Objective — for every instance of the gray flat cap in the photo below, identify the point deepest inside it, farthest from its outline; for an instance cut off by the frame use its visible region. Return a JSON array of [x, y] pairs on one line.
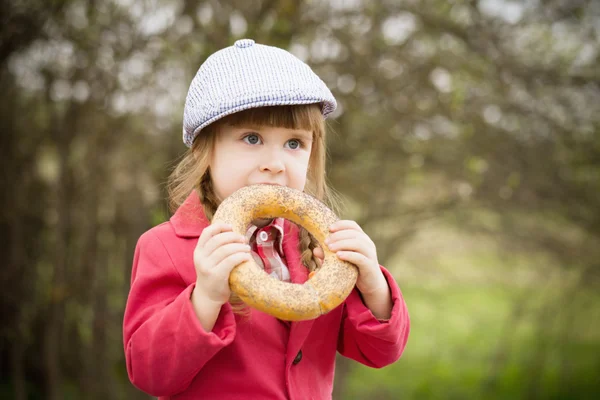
[[249, 75]]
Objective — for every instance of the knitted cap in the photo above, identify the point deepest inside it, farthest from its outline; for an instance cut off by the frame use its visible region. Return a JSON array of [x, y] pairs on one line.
[[248, 75]]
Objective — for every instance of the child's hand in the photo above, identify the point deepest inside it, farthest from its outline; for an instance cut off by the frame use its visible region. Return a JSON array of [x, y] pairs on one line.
[[218, 251], [352, 244]]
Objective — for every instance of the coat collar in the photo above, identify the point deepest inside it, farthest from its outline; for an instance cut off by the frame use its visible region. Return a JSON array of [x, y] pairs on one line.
[[189, 220]]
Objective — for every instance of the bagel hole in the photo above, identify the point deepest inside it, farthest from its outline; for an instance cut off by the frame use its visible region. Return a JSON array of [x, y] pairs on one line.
[[253, 240]]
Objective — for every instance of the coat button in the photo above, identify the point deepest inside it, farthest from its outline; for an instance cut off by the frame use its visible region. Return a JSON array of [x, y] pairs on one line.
[[263, 236], [298, 358]]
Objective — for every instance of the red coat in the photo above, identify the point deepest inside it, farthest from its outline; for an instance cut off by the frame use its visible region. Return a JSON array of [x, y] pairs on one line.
[[170, 355]]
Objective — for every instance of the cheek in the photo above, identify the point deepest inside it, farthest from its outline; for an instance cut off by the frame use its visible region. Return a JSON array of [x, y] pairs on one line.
[[227, 169], [228, 159], [222, 167], [300, 171], [301, 160]]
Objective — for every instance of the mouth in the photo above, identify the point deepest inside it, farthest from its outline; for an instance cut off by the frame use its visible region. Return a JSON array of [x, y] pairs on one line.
[[269, 183]]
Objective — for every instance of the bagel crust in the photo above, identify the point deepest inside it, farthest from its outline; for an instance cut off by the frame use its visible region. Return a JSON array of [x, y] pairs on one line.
[[324, 291]]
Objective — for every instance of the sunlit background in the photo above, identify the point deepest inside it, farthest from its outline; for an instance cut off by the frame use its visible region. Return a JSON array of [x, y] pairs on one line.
[[466, 143]]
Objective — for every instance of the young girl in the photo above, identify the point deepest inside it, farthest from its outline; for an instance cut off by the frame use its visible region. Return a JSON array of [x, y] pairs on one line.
[[254, 114]]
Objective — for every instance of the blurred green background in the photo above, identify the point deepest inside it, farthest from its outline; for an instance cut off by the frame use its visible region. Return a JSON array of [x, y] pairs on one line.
[[466, 143]]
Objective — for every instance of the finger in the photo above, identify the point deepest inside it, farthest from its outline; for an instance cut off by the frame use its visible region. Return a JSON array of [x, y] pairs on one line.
[[358, 259], [353, 244], [222, 239], [344, 224], [232, 261], [319, 256], [211, 231], [319, 253], [228, 249], [343, 234]]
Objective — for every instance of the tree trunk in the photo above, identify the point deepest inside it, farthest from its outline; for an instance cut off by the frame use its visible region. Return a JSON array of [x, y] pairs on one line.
[[63, 129], [17, 370], [52, 338]]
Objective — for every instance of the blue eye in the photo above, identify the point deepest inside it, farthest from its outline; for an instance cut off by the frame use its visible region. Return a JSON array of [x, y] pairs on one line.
[[252, 139], [294, 144]]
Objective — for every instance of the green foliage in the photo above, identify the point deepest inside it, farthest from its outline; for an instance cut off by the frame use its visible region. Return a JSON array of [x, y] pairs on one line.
[[469, 341]]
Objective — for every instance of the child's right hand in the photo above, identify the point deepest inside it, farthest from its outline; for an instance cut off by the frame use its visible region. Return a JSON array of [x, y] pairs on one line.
[[217, 252]]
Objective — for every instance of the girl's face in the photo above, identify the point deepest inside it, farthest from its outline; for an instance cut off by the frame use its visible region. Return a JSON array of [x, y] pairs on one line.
[[249, 155]]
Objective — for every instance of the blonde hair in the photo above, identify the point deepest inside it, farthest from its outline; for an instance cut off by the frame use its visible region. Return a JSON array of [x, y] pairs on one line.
[[193, 171]]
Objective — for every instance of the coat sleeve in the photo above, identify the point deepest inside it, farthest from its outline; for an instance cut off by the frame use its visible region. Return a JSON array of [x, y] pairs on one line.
[[165, 344], [372, 342]]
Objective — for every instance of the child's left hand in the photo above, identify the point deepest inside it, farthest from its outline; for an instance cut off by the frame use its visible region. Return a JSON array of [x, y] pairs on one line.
[[352, 244]]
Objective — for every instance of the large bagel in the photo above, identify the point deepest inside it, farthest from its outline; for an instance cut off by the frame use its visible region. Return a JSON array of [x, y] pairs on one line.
[[324, 291]]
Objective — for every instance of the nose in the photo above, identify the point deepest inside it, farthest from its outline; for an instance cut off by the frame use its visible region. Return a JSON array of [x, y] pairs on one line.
[[272, 162]]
